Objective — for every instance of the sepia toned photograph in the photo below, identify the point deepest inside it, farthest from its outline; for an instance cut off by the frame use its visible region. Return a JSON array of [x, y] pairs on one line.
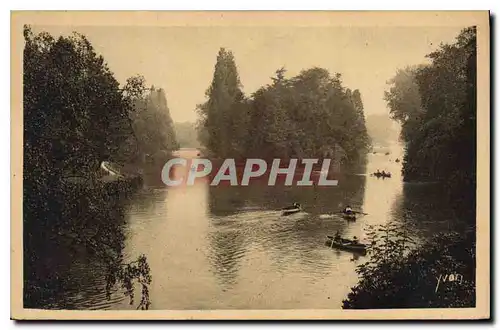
[[250, 165]]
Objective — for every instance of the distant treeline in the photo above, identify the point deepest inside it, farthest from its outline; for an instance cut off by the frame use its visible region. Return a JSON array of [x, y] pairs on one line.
[[153, 126], [187, 135], [436, 106], [311, 115], [380, 129]]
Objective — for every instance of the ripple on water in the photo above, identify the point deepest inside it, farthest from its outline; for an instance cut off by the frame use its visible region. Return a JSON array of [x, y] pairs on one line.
[[84, 288]]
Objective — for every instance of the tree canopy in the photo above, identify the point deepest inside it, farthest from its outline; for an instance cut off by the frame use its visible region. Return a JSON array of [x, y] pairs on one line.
[[75, 113], [153, 126], [436, 105], [310, 115], [224, 97]]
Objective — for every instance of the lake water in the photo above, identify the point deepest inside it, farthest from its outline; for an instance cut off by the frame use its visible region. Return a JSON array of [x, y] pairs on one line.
[[229, 248]]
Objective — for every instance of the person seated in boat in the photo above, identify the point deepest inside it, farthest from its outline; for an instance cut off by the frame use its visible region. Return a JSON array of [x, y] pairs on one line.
[[337, 236], [348, 210], [355, 240], [294, 206]]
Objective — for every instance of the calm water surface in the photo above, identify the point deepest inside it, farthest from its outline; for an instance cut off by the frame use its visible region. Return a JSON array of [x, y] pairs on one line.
[[229, 248]]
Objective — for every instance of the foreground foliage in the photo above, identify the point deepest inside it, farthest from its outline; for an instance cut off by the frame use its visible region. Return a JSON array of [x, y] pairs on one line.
[[400, 274], [75, 116]]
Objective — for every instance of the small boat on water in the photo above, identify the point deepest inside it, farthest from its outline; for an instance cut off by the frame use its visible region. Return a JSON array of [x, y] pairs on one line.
[[382, 174], [290, 211], [346, 244], [295, 208], [348, 213]]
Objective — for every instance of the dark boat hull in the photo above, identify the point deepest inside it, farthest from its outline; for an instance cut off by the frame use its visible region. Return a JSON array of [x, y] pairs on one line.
[[382, 175], [290, 211], [350, 217]]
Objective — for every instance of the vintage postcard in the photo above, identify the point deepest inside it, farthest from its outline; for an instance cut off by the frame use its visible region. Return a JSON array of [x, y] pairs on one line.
[[250, 165]]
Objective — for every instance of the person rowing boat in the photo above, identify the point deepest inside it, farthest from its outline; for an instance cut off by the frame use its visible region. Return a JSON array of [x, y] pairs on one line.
[[348, 210], [294, 206], [346, 244], [348, 213]]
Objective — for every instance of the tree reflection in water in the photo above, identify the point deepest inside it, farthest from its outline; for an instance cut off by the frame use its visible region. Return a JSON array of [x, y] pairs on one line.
[[85, 226]]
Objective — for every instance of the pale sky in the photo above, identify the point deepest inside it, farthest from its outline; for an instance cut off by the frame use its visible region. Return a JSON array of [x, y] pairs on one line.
[[181, 59]]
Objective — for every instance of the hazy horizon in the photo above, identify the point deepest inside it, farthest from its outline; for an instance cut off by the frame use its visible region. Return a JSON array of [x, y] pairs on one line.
[[181, 60]]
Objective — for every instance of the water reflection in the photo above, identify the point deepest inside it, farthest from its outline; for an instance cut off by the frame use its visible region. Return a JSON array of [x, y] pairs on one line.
[[71, 253], [223, 247], [421, 209]]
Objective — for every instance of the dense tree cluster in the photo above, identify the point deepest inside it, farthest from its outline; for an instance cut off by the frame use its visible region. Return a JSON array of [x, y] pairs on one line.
[[436, 105], [76, 115], [153, 126], [310, 115]]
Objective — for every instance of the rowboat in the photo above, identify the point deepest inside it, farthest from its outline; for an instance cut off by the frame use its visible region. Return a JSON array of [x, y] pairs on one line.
[[382, 175], [346, 244], [295, 208], [290, 211]]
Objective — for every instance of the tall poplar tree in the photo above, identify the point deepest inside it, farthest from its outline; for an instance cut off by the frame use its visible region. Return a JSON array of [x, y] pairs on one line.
[[224, 97]]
